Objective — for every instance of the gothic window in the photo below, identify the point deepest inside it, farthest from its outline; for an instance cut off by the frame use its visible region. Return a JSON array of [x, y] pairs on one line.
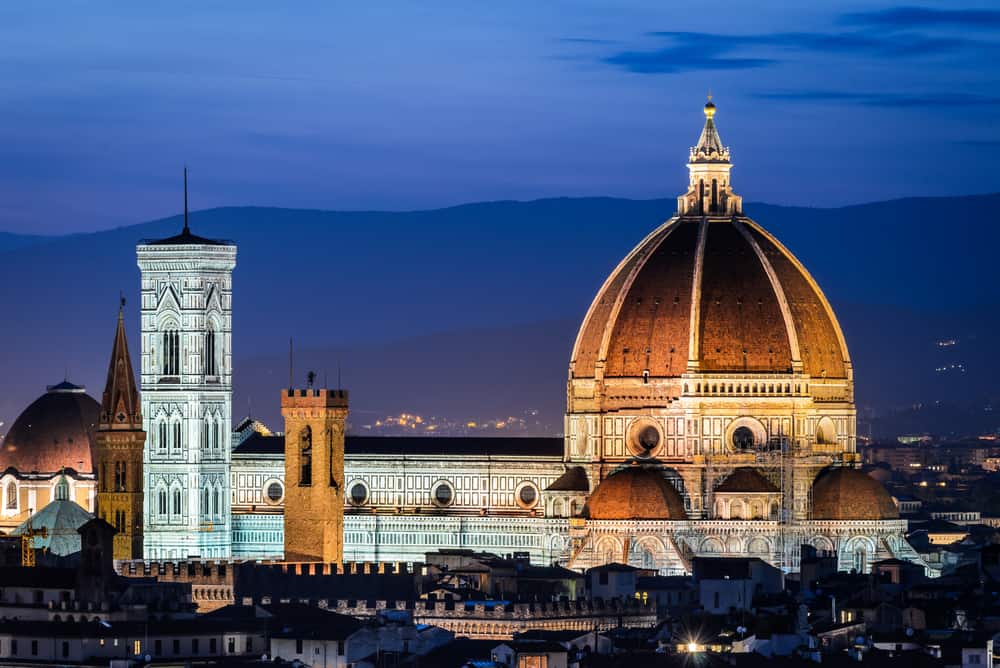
[[205, 510], [11, 495], [162, 502], [217, 504], [62, 490], [177, 501], [171, 352], [161, 436], [175, 443], [211, 362], [305, 457], [222, 436], [329, 454], [860, 559]]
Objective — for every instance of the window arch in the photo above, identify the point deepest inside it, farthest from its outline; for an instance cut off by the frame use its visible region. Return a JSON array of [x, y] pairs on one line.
[[211, 352], [217, 501], [206, 511], [161, 499], [170, 353], [11, 503], [176, 509], [305, 456], [161, 434]]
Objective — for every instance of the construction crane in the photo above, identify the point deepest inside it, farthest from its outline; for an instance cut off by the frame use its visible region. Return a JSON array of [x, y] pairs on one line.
[[28, 544]]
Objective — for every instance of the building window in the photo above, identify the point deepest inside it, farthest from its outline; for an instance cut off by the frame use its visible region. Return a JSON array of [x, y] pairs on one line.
[[211, 365], [298, 645], [175, 444], [443, 495], [232, 645], [527, 496], [162, 501], [65, 649], [217, 502], [11, 495], [194, 646], [249, 644], [171, 353], [359, 494], [157, 647], [274, 491], [177, 501], [743, 438], [213, 646], [305, 457], [161, 442], [329, 453], [34, 648]]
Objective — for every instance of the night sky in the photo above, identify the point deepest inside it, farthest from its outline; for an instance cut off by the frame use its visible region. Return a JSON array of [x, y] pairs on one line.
[[417, 105]]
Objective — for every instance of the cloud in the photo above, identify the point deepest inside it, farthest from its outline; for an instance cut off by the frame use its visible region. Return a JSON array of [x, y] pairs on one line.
[[691, 51], [889, 100], [923, 17]]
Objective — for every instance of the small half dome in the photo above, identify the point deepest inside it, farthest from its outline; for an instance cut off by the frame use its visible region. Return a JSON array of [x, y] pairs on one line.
[[635, 493], [849, 494], [746, 480]]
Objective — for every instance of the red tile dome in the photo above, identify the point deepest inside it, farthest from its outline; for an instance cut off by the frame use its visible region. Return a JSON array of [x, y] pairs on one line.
[[850, 494], [55, 432], [635, 493]]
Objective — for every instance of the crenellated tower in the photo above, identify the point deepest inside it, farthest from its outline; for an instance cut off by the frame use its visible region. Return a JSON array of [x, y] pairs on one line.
[[314, 474], [118, 451]]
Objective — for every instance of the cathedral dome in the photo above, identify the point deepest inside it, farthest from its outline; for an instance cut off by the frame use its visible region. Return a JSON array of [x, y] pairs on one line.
[[850, 494], [635, 493], [56, 431], [709, 291], [745, 480]]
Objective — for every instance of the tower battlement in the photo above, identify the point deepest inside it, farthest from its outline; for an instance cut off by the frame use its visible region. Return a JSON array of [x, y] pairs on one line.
[[313, 398]]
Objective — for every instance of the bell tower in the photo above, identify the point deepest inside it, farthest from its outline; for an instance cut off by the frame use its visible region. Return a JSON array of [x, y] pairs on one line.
[[118, 452], [314, 474]]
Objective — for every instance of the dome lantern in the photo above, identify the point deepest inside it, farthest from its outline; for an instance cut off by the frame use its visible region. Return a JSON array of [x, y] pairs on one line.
[[709, 191]]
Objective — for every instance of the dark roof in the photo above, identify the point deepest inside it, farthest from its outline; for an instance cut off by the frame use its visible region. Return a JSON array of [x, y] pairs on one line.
[[39, 577], [258, 444], [573, 480], [613, 567], [560, 636], [185, 238], [714, 568], [295, 620], [457, 653], [532, 646], [745, 479]]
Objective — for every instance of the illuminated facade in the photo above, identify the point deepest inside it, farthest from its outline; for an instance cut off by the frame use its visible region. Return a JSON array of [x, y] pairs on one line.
[[186, 373]]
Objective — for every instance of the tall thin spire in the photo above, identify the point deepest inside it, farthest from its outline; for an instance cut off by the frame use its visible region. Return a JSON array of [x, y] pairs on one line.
[[187, 230], [120, 405]]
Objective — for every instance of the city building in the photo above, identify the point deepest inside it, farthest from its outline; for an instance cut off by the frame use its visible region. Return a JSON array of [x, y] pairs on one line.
[[710, 412]]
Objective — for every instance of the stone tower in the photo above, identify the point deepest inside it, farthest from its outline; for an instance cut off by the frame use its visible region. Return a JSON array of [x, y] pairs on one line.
[[187, 308], [314, 474], [118, 451]]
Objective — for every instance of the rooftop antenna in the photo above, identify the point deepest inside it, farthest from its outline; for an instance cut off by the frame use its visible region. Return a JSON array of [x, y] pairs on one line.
[[186, 229]]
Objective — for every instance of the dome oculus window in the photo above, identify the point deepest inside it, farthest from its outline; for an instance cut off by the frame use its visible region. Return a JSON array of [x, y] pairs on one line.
[[443, 495], [273, 491], [358, 493], [527, 496], [743, 438], [644, 438]]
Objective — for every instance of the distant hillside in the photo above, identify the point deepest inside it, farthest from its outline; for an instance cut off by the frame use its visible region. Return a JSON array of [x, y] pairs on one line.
[[473, 308]]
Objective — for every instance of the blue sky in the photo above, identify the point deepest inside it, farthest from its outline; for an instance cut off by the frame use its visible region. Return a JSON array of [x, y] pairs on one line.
[[417, 105]]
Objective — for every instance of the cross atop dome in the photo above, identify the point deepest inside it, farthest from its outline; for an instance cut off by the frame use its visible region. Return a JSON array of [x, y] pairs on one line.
[[709, 191]]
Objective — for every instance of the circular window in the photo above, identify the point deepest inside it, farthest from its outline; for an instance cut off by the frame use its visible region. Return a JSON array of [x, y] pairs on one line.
[[443, 495], [644, 438], [527, 495], [743, 438], [274, 491], [358, 493]]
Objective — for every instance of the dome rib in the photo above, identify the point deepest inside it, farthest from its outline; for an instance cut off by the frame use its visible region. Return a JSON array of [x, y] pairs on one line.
[[779, 293]]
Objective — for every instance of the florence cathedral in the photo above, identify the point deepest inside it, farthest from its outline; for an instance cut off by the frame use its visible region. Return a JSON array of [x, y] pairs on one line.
[[710, 411]]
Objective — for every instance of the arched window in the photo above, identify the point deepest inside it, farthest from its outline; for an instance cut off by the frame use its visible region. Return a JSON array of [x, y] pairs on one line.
[[329, 454], [223, 435], [177, 501], [171, 352], [860, 559], [175, 443], [205, 510], [217, 505], [161, 441], [305, 457], [211, 360], [11, 495], [162, 502]]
